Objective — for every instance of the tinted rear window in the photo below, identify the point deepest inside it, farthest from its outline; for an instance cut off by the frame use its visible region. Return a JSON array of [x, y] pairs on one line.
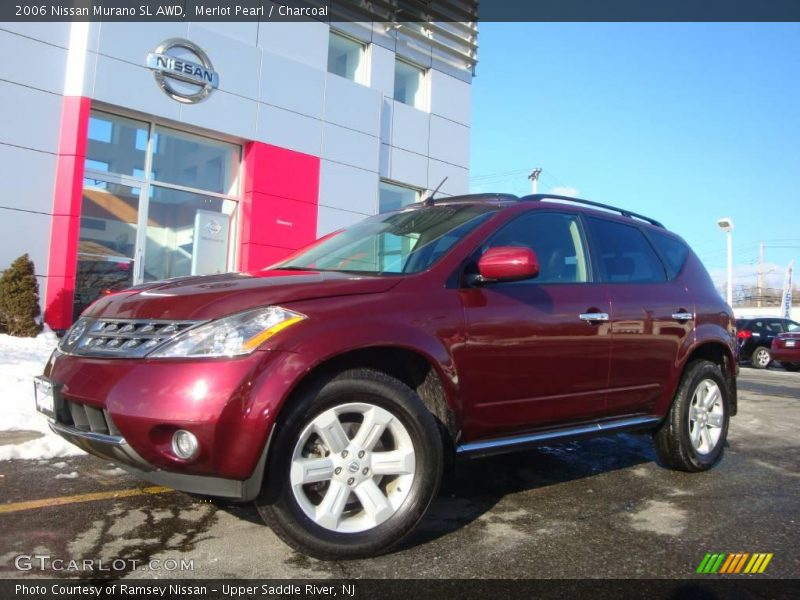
[[672, 250], [624, 254]]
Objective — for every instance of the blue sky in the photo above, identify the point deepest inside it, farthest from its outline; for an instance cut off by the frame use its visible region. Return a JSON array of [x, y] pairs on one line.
[[686, 123]]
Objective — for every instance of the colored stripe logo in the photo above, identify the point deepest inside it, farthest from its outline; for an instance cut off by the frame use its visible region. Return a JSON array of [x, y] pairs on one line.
[[734, 563]]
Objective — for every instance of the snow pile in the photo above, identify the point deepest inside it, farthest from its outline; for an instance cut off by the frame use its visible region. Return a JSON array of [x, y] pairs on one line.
[[21, 359]]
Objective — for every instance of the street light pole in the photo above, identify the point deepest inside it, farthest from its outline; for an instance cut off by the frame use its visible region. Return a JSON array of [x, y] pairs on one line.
[[726, 225]]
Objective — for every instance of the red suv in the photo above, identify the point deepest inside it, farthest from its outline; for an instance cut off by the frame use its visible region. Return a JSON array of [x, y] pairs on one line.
[[334, 387]]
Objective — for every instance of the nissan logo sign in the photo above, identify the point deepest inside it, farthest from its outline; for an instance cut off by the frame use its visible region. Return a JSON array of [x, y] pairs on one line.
[[185, 79]]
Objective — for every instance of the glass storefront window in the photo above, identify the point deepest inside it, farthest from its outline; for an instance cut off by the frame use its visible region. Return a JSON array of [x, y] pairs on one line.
[[116, 144], [187, 234], [192, 161], [394, 197], [107, 243], [346, 57], [157, 203], [409, 84]]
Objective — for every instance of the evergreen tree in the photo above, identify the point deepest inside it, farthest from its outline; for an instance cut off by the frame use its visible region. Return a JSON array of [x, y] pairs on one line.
[[19, 299]]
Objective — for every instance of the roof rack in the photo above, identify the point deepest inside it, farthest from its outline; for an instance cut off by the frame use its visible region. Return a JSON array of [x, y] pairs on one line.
[[622, 211], [484, 197]]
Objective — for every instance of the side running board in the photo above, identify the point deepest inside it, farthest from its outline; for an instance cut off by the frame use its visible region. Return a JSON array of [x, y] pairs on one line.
[[511, 444]]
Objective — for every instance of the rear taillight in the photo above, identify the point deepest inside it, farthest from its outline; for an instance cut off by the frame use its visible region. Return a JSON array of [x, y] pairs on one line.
[[744, 334]]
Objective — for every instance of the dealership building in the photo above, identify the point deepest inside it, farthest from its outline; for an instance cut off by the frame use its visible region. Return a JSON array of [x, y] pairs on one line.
[[132, 152]]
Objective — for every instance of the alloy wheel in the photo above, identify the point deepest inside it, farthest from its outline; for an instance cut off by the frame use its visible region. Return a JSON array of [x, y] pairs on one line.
[[762, 358], [352, 467], [706, 416]]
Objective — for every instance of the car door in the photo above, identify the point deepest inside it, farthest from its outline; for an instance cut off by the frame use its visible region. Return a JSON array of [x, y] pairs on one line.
[[651, 315], [529, 361]]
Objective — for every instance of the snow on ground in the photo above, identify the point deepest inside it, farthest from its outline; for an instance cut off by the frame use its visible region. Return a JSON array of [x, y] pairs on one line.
[[20, 360]]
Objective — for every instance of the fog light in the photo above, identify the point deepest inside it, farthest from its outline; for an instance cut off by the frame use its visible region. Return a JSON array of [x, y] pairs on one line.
[[184, 444]]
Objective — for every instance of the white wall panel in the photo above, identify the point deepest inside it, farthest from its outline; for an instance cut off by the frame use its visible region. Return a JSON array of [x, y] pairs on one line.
[[410, 128], [449, 141], [331, 219], [132, 41], [289, 130], [352, 105], [410, 168], [451, 98], [292, 85], [30, 118], [387, 114], [225, 112], [27, 179], [350, 147], [237, 63], [348, 188], [243, 31], [43, 66], [22, 232], [305, 42], [52, 33], [130, 86], [381, 70], [457, 177]]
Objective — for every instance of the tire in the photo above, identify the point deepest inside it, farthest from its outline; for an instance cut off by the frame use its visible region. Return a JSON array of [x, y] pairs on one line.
[[680, 442], [337, 507], [791, 366], [761, 358]]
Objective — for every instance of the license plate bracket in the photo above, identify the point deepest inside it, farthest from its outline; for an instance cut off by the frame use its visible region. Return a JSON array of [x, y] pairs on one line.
[[45, 392]]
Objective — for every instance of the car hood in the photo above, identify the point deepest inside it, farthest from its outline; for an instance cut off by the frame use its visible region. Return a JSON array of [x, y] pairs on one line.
[[213, 296]]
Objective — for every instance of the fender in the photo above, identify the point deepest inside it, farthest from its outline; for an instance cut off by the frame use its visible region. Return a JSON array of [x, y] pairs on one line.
[[703, 334], [327, 344], [428, 324]]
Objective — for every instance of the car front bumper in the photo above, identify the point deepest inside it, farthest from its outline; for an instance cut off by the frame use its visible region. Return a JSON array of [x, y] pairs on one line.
[[117, 450], [127, 410]]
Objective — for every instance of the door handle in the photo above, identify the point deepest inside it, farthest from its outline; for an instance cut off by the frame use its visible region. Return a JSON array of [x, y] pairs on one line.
[[682, 316], [593, 316]]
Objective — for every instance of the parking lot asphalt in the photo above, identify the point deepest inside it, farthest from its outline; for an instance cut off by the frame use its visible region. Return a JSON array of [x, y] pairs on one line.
[[596, 508]]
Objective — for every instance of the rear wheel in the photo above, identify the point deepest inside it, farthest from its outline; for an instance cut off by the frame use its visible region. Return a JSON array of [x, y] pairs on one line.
[[354, 466], [761, 358], [692, 437]]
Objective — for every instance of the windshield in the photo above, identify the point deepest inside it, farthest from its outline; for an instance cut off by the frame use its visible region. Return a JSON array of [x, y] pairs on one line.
[[400, 242]]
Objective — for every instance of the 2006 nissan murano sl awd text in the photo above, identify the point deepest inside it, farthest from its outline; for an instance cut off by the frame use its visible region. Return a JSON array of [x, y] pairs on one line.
[[333, 388]]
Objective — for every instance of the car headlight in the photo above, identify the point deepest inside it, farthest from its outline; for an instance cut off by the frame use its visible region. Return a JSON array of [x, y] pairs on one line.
[[231, 336]]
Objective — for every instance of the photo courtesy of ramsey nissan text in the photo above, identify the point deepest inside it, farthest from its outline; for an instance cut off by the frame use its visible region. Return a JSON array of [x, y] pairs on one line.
[[340, 298]]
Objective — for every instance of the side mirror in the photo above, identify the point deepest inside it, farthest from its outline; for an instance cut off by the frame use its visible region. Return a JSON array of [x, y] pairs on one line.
[[508, 263]]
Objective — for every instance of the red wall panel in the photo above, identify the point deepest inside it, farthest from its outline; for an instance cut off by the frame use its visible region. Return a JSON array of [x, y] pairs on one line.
[[65, 227], [279, 205]]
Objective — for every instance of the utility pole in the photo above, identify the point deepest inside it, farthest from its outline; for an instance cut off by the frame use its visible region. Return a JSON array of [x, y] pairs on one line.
[[759, 302], [534, 177]]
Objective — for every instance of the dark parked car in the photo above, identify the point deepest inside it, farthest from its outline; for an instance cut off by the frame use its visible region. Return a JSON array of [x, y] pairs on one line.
[[786, 349], [333, 388], [755, 336]]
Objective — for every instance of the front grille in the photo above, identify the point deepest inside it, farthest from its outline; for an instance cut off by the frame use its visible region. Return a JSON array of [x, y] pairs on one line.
[[126, 338], [87, 418]]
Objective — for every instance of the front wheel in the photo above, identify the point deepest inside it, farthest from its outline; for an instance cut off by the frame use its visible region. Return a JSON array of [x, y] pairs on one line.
[[354, 466], [761, 358], [692, 437]]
